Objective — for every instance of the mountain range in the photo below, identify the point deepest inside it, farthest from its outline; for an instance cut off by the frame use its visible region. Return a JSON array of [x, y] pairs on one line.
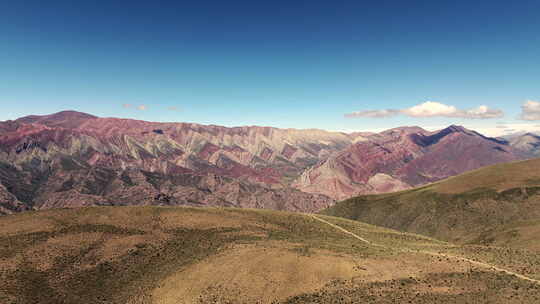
[[469, 238], [403, 158], [70, 159]]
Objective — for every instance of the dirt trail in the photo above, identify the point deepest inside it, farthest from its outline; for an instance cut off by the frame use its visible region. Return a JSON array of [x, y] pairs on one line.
[[477, 263]]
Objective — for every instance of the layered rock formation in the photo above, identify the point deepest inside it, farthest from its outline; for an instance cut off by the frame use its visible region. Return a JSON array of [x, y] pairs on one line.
[[72, 159], [401, 158]]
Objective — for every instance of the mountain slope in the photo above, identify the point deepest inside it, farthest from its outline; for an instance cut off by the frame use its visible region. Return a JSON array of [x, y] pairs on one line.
[[527, 142], [401, 158], [167, 255], [497, 205], [252, 152], [74, 159], [70, 159]]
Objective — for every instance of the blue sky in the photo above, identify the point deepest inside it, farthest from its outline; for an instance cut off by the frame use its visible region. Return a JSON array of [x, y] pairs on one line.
[[301, 65]]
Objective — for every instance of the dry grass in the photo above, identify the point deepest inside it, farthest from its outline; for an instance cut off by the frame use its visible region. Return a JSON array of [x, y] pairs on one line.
[[27, 222], [259, 274], [519, 260], [497, 177], [145, 255], [252, 273], [43, 255], [479, 207], [446, 288]]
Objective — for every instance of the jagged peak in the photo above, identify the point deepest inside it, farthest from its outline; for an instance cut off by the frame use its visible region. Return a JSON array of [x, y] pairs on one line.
[[436, 136]]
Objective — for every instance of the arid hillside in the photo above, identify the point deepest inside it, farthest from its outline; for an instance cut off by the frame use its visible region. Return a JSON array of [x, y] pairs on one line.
[[200, 255], [495, 205]]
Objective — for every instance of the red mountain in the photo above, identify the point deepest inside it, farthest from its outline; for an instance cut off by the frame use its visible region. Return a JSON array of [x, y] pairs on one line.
[[75, 159], [401, 158], [72, 158]]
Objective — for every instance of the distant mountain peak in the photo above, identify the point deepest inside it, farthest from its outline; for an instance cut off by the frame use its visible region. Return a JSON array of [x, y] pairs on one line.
[[61, 114], [456, 128], [529, 134], [434, 137], [65, 119], [73, 112]]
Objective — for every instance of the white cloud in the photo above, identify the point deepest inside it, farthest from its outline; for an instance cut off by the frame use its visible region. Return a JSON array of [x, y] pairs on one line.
[[131, 106], [481, 127], [530, 110], [373, 113], [481, 112], [173, 108], [432, 109], [509, 128]]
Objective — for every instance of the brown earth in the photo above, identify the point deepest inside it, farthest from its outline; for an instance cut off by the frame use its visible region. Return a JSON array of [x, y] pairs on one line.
[[201, 255]]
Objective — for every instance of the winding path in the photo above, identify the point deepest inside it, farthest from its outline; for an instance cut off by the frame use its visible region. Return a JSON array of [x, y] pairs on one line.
[[477, 263]]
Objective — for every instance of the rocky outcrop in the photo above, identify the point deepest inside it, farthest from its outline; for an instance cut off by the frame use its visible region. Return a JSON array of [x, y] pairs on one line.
[[9, 203]]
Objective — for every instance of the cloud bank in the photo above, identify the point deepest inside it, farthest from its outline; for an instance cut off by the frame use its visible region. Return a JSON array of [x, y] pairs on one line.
[[530, 110], [432, 109]]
